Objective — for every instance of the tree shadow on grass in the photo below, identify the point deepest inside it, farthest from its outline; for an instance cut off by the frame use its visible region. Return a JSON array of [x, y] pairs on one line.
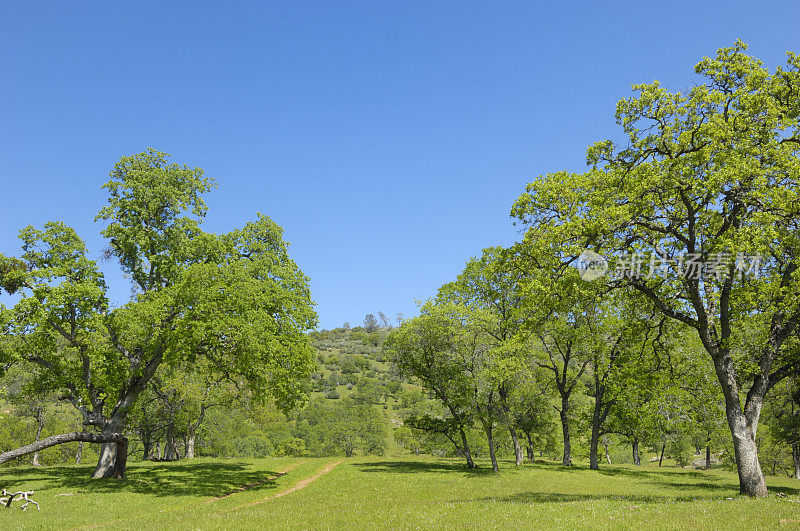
[[412, 467], [556, 497], [657, 472], [165, 479], [677, 479], [789, 491]]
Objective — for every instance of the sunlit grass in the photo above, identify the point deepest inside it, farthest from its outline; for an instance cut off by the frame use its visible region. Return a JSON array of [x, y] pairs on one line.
[[394, 493]]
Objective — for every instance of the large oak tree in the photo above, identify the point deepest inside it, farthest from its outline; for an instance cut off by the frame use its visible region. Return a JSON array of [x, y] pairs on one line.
[[706, 176], [237, 300]]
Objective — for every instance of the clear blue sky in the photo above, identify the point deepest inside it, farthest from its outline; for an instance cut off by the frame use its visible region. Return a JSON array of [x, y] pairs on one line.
[[388, 138]]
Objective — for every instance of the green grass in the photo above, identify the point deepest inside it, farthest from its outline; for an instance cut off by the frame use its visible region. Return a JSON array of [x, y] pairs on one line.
[[406, 492]]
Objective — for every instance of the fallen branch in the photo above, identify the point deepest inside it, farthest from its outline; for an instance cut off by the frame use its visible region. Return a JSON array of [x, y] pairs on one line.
[[8, 497], [118, 438]]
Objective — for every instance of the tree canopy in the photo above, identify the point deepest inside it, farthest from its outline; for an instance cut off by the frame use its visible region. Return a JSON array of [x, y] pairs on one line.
[[235, 300]]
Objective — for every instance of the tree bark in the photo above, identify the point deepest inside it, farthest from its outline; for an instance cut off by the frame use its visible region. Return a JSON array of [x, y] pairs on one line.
[[595, 439], [751, 478], [637, 459], [503, 393], [708, 456], [116, 439], [796, 456], [109, 457], [105, 461], [605, 446], [170, 446], [490, 440], [661, 459], [192, 431], [79, 453], [567, 459], [593, 464], [147, 449], [529, 448], [39, 427], [519, 460], [189, 445], [467, 453], [743, 426]]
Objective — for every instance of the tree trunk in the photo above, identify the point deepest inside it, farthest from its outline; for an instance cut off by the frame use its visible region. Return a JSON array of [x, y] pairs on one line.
[[743, 425], [114, 439], [492, 456], [593, 464], [637, 459], [503, 393], [79, 453], [567, 460], [595, 439], [170, 446], [467, 453], [708, 456], [605, 446], [106, 461], [147, 449], [189, 445], [517, 447], [39, 427], [661, 459], [751, 477], [796, 456], [529, 448]]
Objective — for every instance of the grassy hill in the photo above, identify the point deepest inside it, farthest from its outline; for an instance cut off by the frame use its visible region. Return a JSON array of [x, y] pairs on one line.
[[352, 365]]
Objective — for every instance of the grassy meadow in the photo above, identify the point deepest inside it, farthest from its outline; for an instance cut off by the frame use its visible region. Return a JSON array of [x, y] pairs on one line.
[[407, 492]]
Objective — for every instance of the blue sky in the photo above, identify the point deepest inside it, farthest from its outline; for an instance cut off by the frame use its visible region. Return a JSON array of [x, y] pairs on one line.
[[389, 139]]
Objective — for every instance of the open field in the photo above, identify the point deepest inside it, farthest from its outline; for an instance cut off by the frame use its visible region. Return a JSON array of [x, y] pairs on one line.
[[393, 492]]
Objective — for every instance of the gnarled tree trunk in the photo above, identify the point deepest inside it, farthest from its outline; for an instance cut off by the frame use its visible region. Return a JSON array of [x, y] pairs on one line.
[[106, 461], [751, 477], [743, 425], [115, 439]]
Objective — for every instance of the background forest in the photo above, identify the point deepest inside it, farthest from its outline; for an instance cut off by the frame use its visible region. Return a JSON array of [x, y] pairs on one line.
[[359, 400]]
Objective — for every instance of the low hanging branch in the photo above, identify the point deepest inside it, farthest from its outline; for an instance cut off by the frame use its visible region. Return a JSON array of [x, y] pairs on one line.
[[118, 438]]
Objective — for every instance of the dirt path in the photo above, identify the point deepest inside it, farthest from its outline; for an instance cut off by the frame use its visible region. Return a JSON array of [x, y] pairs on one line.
[[258, 483], [303, 483], [243, 488]]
